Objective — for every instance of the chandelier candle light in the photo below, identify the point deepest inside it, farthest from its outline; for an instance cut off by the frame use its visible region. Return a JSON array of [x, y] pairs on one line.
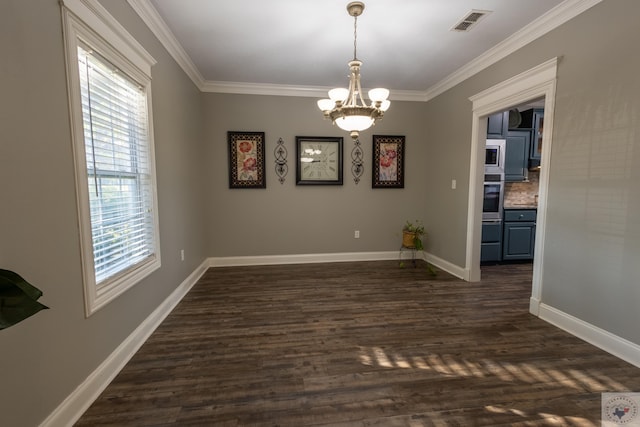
[[346, 107]]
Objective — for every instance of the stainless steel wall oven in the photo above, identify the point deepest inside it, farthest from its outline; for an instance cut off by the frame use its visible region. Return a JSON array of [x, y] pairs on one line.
[[493, 180], [493, 197]]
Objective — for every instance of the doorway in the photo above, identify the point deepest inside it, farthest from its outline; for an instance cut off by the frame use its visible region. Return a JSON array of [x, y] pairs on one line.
[[538, 82]]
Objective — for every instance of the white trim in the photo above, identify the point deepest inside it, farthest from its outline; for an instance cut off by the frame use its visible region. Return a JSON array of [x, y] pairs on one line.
[[515, 89], [534, 306], [72, 408], [333, 257], [96, 17], [292, 90], [159, 28], [301, 258], [539, 81], [613, 344], [555, 17], [89, 22], [445, 265], [264, 89]]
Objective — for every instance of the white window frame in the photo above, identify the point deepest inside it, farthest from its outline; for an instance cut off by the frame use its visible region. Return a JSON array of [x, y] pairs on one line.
[[87, 22]]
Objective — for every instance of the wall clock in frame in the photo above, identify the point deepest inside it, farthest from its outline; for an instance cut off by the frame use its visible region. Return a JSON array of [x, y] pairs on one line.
[[319, 160]]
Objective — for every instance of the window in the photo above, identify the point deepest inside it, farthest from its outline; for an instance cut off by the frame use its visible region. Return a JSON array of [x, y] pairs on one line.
[[113, 147]]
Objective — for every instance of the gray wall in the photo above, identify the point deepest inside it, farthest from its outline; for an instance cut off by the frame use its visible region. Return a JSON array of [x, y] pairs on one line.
[[44, 358], [593, 226], [593, 233], [288, 219], [594, 202]]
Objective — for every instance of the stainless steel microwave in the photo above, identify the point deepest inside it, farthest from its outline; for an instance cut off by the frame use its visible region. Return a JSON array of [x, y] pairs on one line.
[[494, 156]]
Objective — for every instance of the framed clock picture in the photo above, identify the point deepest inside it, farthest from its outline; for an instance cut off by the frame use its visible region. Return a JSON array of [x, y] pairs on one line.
[[319, 160]]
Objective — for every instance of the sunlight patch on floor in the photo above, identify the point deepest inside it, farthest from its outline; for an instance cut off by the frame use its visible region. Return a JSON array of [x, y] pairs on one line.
[[452, 365], [550, 419]]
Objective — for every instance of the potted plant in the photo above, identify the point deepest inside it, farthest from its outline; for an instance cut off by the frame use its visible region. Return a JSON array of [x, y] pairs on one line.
[[18, 299], [412, 233]]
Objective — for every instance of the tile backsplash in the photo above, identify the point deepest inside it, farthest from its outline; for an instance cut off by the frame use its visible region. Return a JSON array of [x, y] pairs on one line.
[[522, 193]]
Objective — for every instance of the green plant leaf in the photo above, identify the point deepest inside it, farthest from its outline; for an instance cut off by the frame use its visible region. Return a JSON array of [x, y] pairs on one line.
[[10, 277], [18, 299]]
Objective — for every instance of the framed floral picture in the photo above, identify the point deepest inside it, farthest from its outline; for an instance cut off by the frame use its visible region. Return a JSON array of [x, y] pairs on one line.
[[246, 160], [388, 161]]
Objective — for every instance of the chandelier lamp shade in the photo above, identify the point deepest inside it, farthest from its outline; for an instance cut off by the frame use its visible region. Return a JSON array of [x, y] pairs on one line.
[[346, 108]]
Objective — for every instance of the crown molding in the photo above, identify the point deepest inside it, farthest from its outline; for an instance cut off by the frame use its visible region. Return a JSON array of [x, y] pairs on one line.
[[292, 90], [557, 16], [159, 28], [263, 89]]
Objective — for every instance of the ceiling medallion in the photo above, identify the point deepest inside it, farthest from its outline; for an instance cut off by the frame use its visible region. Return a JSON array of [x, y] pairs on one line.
[[346, 107]]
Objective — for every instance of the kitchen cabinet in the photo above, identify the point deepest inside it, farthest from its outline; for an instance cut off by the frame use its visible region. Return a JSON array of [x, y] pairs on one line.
[[518, 241], [516, 162], [532, 120], [491, 246], [497, 125], [536, 138]]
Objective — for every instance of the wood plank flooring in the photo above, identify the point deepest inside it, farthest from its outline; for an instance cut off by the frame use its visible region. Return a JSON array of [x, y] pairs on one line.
[[360, 344]]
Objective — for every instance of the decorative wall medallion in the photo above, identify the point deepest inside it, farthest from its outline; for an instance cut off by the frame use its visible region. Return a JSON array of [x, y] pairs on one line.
[[280, 153], [357, 163]]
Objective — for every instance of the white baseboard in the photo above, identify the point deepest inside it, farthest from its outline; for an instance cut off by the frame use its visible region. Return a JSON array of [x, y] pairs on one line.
[[72, 408], [613, 344], [333, 257], [534, 306], [450, 268], [301, 258]]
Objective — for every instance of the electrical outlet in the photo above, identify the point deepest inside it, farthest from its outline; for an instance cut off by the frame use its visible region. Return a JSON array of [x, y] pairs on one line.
[[356, 234], [454, 184], [181, 254]]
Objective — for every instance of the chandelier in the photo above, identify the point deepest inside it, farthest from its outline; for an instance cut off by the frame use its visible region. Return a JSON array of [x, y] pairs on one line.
[[346, 107]]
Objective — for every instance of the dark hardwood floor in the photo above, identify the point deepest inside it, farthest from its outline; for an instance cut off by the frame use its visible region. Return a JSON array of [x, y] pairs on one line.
[[360, 344]]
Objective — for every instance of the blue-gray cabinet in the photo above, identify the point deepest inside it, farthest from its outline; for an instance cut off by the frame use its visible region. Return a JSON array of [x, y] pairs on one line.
[[497, 125], [516, 161], [532, 120], [491, 247], [518, 241], [536, 140]]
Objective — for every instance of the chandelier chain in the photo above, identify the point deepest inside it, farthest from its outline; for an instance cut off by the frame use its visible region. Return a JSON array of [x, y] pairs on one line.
[[355, 37]]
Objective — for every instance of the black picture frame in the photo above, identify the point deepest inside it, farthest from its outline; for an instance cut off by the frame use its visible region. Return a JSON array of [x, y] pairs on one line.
[[246, 159], [388, 161], [322, 167]]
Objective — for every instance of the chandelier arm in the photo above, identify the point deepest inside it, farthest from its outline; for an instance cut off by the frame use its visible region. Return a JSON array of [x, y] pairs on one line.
[[359, 90]]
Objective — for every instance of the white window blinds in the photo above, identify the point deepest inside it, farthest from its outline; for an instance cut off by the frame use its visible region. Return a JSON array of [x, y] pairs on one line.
[[118, 165]]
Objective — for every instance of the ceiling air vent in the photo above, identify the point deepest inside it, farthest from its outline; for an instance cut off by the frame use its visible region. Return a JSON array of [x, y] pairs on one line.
[[470, 20]]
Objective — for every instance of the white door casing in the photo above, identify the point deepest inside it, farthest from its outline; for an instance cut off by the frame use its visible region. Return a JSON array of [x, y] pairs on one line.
[[534, 83]]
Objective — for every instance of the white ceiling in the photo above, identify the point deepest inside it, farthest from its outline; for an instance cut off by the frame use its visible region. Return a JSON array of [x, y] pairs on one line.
[[299, 47]]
